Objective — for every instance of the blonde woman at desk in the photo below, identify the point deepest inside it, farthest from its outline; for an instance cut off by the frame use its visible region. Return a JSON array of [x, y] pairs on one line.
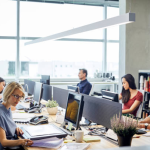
[[8, 129], [131, 97]]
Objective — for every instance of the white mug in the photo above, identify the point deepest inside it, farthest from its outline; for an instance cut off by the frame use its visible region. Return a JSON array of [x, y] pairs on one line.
[[79, 135]]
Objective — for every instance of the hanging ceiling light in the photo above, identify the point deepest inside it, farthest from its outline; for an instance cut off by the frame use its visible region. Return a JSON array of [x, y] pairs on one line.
[[119, 20]]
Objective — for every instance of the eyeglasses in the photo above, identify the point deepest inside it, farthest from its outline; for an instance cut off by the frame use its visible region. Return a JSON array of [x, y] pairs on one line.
[[17, 97]]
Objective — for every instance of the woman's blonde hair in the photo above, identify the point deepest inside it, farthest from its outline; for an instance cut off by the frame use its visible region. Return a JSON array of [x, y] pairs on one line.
[[10, 88]]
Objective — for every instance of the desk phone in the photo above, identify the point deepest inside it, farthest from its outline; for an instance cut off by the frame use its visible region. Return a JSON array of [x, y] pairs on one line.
[[39, 120]]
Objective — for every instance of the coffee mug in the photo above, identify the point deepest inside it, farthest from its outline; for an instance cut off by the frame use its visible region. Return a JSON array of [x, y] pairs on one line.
[[79, 135]]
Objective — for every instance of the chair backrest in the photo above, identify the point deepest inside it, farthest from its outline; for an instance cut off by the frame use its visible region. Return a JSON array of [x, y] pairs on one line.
[[91, 90], [139, 111]]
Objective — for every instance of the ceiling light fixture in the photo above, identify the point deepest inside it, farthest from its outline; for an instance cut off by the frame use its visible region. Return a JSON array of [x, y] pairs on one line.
[[119, 20]]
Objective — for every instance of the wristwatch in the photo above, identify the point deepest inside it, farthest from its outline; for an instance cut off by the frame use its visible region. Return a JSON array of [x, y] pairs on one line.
[[146, 125]]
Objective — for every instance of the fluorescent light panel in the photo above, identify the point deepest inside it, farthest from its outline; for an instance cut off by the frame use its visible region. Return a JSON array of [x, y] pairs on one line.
[[119, 20]]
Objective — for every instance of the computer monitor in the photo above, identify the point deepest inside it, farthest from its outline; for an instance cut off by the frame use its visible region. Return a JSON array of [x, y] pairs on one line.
[[74, 109], [61, 96], [110, 96], [73, 88], [37, 93], [45, 79], [100, 110], [30, 84], [47, 92]]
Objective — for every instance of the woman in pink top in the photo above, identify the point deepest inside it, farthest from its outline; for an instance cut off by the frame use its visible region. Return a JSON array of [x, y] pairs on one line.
[[131, 97]]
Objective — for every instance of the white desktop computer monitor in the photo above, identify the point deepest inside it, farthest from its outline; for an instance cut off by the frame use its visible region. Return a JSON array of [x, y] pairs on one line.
[[74, 109]]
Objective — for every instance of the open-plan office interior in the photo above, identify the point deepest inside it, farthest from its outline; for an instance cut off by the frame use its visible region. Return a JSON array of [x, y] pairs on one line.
[[107, 53]]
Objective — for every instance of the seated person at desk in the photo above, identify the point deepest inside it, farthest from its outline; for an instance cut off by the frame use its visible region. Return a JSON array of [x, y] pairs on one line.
[[131, 97], [145, 123], [2, 85], [72, 109], [8, 129], [84, 86]]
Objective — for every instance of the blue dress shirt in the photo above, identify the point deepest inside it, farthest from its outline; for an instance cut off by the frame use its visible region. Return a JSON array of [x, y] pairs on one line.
[[85, 87]]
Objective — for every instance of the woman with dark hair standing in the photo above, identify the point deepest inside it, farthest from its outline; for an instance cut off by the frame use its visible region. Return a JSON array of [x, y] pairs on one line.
[[131, 97], [2, 85]]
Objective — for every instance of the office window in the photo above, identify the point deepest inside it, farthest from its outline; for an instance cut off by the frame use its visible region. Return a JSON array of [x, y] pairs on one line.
[[8, 58], [112, 32], [43, 19], [8, 15], [60, 59], [113, 58]]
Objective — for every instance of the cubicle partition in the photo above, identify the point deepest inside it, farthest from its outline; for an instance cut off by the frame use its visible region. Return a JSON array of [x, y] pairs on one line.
[[100, 110], [47, 92], [61, 96]]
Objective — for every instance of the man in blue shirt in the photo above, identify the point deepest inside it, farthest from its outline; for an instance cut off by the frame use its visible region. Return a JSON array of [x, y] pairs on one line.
[[84, 86]]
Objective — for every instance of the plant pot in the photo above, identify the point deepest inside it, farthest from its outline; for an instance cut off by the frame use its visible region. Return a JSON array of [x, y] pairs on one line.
[[52, 111], [124, 140]]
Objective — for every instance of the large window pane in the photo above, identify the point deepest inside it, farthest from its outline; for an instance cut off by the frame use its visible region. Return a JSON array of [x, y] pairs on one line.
[[8, 58], [113, 58], [42, 19], [112, 32], [60, 59], [8, 13]]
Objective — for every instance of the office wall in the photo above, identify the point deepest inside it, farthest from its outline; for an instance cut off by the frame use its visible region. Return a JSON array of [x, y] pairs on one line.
[[137, 39]]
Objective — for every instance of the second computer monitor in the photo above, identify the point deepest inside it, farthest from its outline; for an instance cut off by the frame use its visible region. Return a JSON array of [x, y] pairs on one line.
[[47, 92], [74, 109], [110, 96], [45, 79], [37, 92], [28, 84]]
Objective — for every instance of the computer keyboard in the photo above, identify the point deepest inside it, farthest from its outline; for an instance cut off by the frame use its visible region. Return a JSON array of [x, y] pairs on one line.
[[20, 107], [65, 130]]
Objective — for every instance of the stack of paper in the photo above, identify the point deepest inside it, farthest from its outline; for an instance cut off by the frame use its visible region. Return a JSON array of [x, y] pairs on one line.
[[146, 134], [48, 143], [22, 115], [72, 146]]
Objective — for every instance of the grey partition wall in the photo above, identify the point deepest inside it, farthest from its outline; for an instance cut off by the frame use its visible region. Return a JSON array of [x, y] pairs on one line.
[[100, 110], [31, 85], [61, 96], [47, 92]]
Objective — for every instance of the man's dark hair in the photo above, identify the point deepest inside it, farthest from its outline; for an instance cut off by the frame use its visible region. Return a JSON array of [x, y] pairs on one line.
[[84, 71]]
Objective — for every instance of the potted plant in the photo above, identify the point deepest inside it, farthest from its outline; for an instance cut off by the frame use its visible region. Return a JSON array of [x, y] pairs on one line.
[[125, 128], [52, 107]]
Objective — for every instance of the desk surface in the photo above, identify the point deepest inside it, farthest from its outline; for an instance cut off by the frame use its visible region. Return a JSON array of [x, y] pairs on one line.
[[142, 141]]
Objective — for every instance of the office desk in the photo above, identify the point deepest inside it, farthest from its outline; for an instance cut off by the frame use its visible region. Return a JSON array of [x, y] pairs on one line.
[[103, 144]]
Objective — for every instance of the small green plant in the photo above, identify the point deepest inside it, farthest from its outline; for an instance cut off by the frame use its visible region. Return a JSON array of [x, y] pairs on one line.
[[51, 103], [124, 126]]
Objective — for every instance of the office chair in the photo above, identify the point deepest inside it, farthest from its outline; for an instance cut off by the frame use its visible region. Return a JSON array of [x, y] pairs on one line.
[[139, 111], [91, 90]]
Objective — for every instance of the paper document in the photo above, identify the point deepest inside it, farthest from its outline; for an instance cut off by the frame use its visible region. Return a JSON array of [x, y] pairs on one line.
[[48, 143], [42, 130], [72, 146], [146, 134], [22, 115]]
